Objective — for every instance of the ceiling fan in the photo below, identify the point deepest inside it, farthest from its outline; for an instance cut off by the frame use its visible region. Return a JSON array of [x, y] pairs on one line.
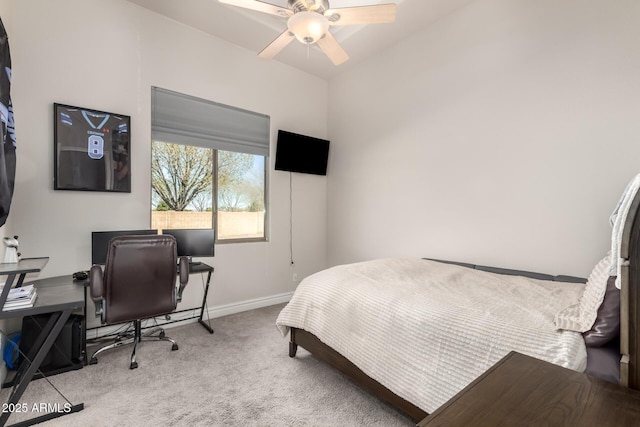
[[309, 22]]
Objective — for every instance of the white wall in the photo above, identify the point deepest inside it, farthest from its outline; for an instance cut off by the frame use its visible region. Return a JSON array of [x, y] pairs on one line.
[[106, 55], [501, 135]]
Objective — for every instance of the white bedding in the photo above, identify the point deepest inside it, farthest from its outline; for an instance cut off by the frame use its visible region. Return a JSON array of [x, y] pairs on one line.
[[426, 329]]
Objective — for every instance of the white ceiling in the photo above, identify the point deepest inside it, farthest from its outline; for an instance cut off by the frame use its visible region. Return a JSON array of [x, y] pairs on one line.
[[255, 30]]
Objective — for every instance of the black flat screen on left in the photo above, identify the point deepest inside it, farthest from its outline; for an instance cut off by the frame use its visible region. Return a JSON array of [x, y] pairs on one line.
[[100, 242]]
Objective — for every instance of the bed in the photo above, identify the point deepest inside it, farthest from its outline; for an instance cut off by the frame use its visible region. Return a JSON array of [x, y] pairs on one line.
[[415, 349]]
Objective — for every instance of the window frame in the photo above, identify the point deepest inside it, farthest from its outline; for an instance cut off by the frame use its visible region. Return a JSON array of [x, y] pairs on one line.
[[214, 199], [183, 119], [214, 206]]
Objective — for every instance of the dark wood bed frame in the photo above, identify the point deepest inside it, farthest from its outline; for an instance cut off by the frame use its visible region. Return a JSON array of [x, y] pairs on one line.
[[630, 299], [308, 341], [629, 328]]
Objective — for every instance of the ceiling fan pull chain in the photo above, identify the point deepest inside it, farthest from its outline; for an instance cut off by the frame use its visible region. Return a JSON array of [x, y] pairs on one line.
[[308, 47]]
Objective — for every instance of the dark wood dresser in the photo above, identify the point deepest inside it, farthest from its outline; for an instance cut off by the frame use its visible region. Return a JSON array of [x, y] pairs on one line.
[[523, 391]]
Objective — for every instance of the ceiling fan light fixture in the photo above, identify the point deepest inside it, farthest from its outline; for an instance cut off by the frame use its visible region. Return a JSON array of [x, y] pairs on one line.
[[308, 27]]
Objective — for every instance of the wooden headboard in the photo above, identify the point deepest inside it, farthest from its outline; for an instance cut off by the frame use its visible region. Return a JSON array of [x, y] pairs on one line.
[[630, 298]]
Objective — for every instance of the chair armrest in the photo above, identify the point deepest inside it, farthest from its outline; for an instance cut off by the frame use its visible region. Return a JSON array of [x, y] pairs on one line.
[[183, 263], [96, 287]]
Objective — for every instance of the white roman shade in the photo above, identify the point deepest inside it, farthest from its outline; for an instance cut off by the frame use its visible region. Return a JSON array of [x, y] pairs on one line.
[[184, 119]]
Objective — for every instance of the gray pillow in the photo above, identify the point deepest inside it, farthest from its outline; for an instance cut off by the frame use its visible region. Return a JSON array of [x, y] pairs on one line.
[[607, 324]]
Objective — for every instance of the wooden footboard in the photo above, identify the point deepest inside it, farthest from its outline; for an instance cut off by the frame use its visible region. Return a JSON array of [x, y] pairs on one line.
[[311, 343], [630, 299]]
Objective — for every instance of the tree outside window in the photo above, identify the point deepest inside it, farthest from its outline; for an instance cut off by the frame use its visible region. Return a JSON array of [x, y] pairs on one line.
[[187, 180]]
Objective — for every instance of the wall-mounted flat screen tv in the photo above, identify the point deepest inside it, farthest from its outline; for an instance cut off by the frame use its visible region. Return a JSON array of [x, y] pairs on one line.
[[301, 153], [92, 150]]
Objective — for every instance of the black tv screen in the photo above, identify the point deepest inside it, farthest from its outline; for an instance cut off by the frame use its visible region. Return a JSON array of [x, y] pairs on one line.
[[100, 242], [301, 153], [192, 242]]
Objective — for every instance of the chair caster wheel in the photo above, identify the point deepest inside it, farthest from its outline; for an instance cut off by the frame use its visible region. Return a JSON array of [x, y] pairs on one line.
[[93, 361], [133, 365], [161, 335], [174, 347]]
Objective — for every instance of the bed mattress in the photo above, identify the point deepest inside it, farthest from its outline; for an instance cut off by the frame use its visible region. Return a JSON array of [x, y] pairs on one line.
[[426, 329]]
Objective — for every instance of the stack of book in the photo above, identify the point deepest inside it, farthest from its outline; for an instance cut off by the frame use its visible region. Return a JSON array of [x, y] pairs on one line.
[[18, 298]]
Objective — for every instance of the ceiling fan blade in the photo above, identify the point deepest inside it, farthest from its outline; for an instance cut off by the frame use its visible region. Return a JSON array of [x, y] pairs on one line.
[[277, 45], [374, 14], [260, 6], [332, 49]]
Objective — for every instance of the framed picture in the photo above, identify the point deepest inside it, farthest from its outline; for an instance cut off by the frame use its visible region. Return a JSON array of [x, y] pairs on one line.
[[92, 150]]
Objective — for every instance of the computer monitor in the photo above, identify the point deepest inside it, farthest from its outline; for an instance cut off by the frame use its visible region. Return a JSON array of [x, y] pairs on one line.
[[194, 242], [100, 242]]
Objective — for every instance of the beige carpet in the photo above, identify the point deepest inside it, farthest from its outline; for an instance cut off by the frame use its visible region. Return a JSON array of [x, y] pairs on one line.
[[239, 376]]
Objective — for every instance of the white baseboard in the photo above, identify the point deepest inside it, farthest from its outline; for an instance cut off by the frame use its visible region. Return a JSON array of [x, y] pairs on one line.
[[212, 312], [238, 307]]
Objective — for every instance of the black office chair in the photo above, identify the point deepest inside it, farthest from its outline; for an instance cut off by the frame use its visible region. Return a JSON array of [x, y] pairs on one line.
[[139, 282]]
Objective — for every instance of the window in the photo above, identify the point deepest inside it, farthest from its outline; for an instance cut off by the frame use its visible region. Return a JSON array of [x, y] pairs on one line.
[[208, 167]]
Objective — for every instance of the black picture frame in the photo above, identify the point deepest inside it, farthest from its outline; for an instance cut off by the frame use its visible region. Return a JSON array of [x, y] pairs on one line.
[[92, 150]]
